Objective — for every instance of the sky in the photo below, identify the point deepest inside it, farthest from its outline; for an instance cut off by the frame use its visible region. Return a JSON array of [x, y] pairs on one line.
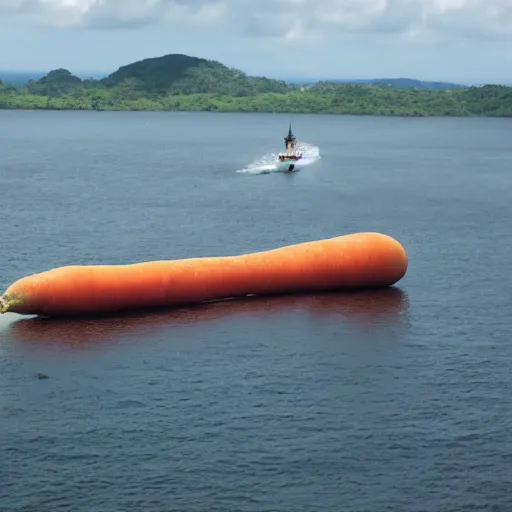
[[465, 41]]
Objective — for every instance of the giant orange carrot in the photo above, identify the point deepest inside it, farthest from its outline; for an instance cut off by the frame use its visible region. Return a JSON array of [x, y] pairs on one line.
[[359, 260]]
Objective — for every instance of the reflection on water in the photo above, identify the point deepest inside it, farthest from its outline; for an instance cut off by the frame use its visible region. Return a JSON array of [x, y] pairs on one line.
[[364, 309]]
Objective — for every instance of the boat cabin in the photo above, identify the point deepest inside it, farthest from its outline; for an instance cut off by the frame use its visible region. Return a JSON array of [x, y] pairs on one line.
[[289, 142]]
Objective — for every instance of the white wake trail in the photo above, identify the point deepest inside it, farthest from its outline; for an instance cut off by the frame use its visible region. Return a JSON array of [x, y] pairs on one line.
[[268, 163]]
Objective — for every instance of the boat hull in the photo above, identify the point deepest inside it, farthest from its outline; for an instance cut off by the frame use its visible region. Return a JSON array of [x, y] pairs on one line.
[[288, 165]]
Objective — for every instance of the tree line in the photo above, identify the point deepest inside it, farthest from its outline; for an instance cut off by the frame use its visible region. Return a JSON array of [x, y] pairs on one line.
[[200, 85]]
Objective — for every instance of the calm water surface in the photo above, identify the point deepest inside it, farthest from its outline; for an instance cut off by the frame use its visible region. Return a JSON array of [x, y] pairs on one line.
[[399, 400]]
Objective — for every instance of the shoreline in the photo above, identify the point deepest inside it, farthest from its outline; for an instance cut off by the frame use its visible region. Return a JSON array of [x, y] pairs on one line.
[[180, 83], [267, 112]]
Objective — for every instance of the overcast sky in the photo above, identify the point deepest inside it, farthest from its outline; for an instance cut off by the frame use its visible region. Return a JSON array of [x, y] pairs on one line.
[[468, 41]]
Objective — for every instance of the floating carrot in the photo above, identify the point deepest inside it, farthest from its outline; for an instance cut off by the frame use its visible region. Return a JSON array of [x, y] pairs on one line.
[[359, 260]]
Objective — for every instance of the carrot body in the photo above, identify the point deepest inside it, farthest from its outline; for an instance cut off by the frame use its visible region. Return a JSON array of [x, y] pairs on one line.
[[359, 260]]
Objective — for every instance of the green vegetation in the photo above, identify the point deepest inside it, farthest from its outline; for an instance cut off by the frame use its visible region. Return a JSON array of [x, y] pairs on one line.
[[182, 83]]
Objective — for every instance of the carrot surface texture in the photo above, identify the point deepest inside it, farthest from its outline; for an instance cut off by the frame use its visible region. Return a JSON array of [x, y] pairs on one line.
[[348, 262]]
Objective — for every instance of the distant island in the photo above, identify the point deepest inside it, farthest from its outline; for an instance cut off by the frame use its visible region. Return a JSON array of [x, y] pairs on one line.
[[179, 82]]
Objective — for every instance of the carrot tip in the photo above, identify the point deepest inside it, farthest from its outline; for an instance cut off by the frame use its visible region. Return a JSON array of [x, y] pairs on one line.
[[3, 305], [10, 302]]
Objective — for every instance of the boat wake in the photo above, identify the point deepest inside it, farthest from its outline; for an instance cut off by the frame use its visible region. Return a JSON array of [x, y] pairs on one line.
[[268, 163]]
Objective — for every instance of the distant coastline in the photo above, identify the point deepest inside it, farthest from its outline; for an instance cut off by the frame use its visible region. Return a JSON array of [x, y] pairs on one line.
[[188, 84]]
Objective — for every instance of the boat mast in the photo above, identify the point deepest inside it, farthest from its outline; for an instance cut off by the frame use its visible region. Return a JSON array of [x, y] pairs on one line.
[[289, 140]]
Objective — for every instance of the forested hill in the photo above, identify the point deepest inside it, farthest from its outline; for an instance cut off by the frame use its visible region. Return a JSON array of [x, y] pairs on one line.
[[180, 82], [181, 74], [399, 83], [170, 74]]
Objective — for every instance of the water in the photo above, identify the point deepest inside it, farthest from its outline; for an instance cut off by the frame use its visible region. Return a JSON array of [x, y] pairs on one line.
[[398, 400]]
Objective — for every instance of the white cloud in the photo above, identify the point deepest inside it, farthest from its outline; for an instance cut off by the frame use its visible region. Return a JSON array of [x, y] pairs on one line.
[[287, 19], [490, 19]]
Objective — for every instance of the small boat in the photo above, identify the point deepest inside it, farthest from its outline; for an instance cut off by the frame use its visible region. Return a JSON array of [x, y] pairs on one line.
[[288, 161]]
